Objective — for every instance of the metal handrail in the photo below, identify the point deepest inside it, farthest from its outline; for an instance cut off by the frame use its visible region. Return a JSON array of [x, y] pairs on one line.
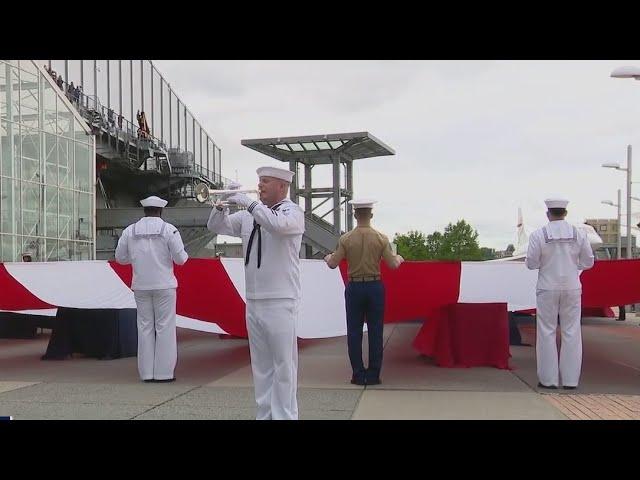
[[89, 105]]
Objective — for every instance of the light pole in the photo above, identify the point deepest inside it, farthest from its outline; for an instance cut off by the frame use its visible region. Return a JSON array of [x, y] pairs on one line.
[[628, 72], [622, 315], [619, 236], [628, 170]]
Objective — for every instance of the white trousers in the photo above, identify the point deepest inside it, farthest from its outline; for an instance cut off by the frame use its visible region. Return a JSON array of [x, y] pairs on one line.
[[551, 304], [157, 345], [273, 344]]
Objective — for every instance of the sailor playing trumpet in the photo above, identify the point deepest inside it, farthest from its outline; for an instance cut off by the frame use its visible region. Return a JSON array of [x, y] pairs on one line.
[[271, 230]]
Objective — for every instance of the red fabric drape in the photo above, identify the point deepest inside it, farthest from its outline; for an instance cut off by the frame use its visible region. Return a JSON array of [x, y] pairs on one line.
[[611, 282], [14, 296], [466, 335], [205, 292], [416, 288]]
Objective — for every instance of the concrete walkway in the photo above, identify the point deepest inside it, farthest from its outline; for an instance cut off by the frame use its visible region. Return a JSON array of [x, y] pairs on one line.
[[214, 382]]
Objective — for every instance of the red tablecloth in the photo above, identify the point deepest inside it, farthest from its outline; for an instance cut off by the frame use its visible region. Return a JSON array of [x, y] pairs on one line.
[[467, 335]]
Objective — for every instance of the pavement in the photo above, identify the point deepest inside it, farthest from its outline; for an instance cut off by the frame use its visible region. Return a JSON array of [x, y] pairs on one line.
[[214, 382]]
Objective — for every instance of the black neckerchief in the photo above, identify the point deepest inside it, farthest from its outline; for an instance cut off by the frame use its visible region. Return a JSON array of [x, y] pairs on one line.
[[256, 228]]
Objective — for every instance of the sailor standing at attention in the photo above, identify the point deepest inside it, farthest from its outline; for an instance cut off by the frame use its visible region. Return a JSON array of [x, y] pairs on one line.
[[152, 246], [559, 251]]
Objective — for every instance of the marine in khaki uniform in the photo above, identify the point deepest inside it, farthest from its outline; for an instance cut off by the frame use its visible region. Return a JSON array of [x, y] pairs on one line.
[[364, 247]]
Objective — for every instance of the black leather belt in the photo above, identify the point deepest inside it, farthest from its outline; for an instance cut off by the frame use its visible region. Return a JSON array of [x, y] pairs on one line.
[[371, 278]]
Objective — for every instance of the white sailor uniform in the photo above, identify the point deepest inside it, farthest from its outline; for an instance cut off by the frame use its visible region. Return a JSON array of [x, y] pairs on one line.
[[271, 240], [152, 245], [560, 251]]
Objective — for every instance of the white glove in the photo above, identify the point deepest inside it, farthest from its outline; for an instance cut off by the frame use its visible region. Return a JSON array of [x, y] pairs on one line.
[[240, 199], [399, 259], [219, 205], [327, 257]]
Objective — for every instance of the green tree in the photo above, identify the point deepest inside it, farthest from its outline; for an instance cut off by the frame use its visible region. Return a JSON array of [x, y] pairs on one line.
[[460, 242], [412, 246], [434, 245], [488, 253]]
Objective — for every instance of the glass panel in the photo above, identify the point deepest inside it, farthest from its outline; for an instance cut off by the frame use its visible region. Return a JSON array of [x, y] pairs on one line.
[[11, 148], [78, 132], [51, 212], [14, 93], [52, 250], [65, 200], [29, 99], [32, 245], [65, 250], [84, 224], [31, 209], [8, 210], [3, 89], [335, 143], [65, 162], [83, 168], [283, 147], [8, 245], [309, 146], [65, 119], [6, 150], [28, 66], [51, 158], [49, 101], [82, 251], [30, 143], [296, 147], [323, 145]]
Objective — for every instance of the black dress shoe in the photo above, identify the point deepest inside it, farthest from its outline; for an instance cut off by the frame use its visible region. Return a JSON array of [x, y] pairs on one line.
[[374, 381], [149, 380], [356, 381], [551, 387], [165, 380], [568, 387]]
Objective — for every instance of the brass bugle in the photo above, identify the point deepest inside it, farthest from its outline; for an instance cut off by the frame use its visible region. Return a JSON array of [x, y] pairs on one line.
[[204, 193]]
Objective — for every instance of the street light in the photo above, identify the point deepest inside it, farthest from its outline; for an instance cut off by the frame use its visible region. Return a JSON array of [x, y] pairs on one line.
[[619, 238], [617, 166]]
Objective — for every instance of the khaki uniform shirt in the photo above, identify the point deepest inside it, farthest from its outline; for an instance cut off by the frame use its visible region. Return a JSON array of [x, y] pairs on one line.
[[363, 247]]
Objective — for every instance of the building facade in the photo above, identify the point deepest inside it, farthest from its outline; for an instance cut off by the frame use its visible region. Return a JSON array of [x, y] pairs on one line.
[[47, 169]]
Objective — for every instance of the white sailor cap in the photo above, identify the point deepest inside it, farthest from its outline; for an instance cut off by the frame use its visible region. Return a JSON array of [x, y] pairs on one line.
[[281, 173], [556, 203], [362, 203], [153, 201]]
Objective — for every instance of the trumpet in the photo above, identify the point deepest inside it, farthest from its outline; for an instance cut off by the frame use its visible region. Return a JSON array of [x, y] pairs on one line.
[[204, 193]]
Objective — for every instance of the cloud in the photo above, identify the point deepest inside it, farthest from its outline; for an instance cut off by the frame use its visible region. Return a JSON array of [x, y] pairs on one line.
[[474, 140]]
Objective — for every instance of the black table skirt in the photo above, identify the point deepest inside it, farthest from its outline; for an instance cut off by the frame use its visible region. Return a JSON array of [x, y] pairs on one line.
[[103, 334]]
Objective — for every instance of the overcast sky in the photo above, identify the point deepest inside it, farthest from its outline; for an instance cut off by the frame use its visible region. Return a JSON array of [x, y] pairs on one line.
[[473, 139]]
